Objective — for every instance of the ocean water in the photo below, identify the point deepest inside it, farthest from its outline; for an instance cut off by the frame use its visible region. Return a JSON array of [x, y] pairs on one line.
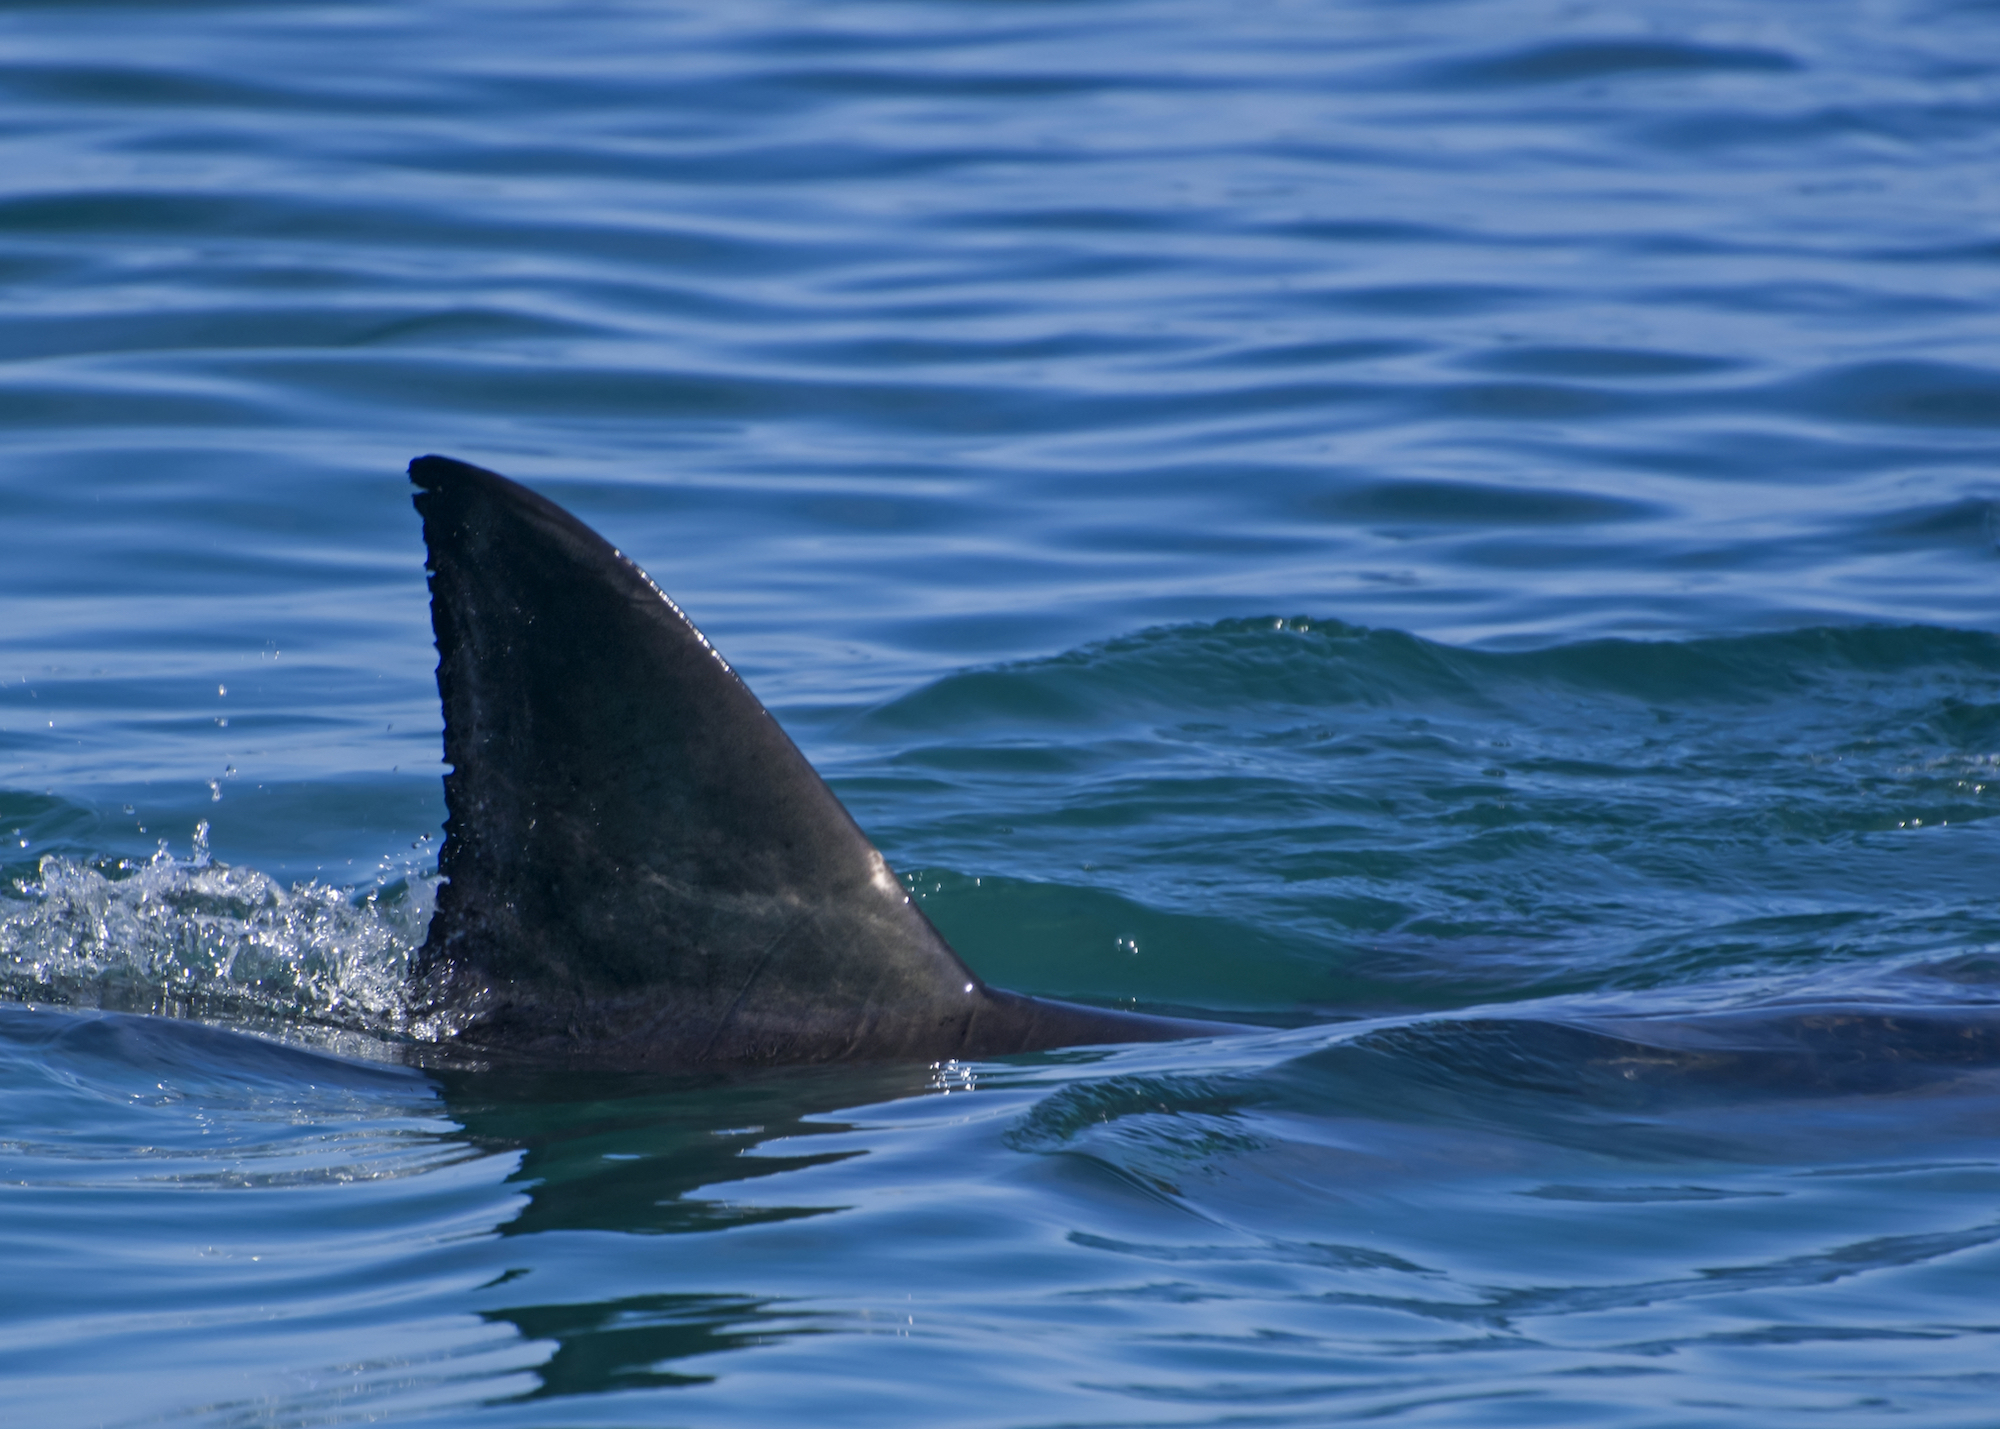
[[1461, 534]]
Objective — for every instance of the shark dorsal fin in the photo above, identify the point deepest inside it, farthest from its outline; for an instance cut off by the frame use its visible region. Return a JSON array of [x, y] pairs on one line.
[[636, 854], [641, 869]]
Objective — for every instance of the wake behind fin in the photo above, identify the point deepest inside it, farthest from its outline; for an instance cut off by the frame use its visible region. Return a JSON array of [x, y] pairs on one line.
[[640, 866]]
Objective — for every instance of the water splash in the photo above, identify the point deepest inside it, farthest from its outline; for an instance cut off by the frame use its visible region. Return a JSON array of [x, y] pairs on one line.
[[195, 938]]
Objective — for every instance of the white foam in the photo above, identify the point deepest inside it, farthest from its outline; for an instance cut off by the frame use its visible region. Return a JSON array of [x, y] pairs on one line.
[[199, 938]]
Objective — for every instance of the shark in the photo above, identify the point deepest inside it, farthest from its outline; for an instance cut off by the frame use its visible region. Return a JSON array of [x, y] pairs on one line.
[[640, 869]]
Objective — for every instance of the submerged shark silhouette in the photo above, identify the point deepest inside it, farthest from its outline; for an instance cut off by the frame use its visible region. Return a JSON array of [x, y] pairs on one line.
[[641, 869]]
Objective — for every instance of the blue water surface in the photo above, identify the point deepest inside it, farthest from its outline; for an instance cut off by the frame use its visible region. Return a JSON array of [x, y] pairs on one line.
[[1459, 533]]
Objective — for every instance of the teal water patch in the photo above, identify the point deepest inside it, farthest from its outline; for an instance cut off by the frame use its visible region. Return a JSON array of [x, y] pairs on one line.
[[1305, 814]]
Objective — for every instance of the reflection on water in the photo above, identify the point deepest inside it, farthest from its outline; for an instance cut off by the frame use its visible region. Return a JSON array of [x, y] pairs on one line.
[[649, 1155], [626, 1344], [635, 1152]]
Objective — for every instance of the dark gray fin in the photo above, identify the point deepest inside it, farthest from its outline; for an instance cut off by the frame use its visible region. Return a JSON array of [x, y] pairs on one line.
[[641, 867]]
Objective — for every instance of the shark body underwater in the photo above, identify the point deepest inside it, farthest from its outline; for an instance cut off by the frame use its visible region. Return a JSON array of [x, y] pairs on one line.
[[640, 868]]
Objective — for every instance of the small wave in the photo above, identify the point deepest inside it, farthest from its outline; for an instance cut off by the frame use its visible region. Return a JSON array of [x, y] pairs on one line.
[[196, 938], [1270, 663]]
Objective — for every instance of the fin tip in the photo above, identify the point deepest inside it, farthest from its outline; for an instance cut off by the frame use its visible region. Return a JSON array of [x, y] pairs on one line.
[[432, 472]]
